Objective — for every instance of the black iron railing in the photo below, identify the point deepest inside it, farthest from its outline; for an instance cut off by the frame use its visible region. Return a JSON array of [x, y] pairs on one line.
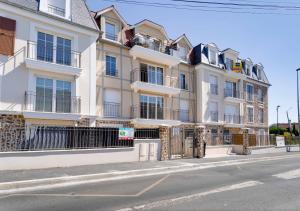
[[52, 103], [53, 54]]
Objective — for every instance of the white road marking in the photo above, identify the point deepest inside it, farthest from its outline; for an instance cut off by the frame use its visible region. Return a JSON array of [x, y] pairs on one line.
[[289, 174], [50, 183], [164, 203], [91, 195]]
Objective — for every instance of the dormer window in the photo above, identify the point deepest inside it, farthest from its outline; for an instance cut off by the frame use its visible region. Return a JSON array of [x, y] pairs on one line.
[[212, 56], [248, 69], [60, 8], [229, 64], [110, 31]]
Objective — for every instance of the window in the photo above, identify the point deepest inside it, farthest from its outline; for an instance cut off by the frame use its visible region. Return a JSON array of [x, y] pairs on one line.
[[151, 74], [63, 96], [250, 91], [213, 83], [45, 47], [182, 81], [261, 115], [213, 111], [231, 89], [110, 31], [151, 107], [229, 64], [7, 36], [212, 57], [63, 51], [111, 66], [112, 103], [184, 110], [260, 96], [250, 114], [44, 94], [232, 114], [54, 95]]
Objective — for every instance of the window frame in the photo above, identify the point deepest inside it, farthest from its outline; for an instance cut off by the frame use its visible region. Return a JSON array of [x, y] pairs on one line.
[[148, 111], [108, 71], [248, 114], [247, 92]]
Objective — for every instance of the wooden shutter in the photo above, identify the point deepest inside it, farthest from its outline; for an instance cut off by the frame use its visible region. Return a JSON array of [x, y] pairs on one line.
[[7, 36]]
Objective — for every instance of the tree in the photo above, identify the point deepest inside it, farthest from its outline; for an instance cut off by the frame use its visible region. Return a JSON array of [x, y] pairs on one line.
[[295, 131], [277, 131]]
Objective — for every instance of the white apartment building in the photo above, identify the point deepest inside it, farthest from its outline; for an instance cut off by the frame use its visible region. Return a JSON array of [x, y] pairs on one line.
[[47, 62]]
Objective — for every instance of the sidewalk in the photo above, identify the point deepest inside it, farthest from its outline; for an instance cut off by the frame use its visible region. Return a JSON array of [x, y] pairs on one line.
[[20, 175]]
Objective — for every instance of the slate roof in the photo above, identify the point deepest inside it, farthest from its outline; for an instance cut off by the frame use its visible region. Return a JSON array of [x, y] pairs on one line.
[[80, 14]]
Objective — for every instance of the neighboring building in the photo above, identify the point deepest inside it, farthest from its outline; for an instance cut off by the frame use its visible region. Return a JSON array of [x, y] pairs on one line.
[[47, 62], [232, 95]]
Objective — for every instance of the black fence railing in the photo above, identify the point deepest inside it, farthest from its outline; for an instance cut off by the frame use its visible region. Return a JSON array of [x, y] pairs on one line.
[[146, 133], [63, 138]]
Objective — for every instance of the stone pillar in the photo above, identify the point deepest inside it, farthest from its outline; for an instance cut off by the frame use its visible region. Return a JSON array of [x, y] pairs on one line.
[[201, 138], [245, 141], [164, 135]]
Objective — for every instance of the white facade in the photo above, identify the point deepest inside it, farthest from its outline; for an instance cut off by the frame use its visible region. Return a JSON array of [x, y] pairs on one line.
[[19, 73]]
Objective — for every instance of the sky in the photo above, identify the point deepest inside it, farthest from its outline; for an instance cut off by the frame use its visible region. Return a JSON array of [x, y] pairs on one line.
[[273, 40]]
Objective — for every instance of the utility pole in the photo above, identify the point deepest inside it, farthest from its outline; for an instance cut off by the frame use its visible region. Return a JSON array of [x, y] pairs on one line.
[[277, 116], [298, 103]]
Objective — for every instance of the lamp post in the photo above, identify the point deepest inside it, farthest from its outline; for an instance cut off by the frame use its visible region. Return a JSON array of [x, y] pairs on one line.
[[277, 108], [298, 99]]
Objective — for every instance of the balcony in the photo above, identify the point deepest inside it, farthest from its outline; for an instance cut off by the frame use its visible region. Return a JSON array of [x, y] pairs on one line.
[[45, 106], [153, 116], [145, 81], [56, 10], [54, 59], [232, 119], [111, 36], [233, 95], [152, 50], [111, 110]]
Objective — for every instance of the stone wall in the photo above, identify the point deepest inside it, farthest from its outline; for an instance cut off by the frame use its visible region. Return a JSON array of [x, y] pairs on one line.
[[116, 123], [12, 132], [164, 135]]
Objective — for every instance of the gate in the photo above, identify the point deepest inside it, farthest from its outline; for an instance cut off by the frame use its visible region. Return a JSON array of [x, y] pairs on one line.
[[182, 143]]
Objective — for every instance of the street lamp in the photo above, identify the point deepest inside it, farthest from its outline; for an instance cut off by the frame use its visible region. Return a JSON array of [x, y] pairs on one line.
[[298, 99], [277, 116]]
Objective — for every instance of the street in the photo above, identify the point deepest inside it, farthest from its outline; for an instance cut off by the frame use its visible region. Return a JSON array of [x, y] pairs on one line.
[[260, 185]]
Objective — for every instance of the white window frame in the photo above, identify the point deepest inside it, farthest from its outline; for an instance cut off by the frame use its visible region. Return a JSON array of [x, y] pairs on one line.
[[210, 110], [55, 79], [211, 51], [148, 96], [247, 97], [117, 72], [217, 83], [252, 114]]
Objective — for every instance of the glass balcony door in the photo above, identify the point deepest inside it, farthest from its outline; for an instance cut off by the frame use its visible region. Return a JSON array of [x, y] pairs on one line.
[[44, 95], [151, 107], [45, 46], [230, 89], [63, 97]]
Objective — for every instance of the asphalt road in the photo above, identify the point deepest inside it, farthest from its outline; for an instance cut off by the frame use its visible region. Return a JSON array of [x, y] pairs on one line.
[[264, 185]]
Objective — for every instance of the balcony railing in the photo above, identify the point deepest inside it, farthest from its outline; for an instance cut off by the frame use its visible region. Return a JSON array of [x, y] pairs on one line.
[[232, 119], [148, 42], [111, 110], [56, 10], [250, 119], [182, 115], [214, 116], [233, 93], [52, 103], [151, 112], [53, 54], [110, 36]]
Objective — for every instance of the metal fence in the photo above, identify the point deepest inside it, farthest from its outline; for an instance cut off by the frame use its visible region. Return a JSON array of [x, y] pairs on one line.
[[146, 133], [60, 138]]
